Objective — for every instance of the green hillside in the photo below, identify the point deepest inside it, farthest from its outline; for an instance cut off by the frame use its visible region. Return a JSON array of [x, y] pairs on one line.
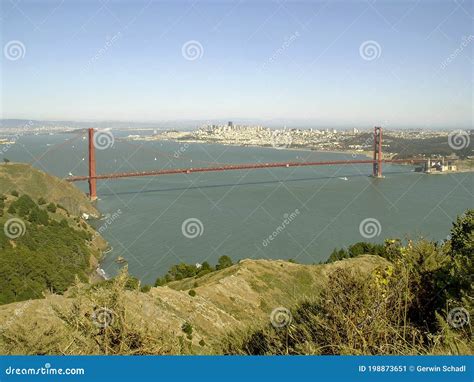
[[27, 180], [44, 245]]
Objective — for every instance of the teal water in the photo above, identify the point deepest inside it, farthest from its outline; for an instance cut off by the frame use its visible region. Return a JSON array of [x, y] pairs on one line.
[[239, 210]]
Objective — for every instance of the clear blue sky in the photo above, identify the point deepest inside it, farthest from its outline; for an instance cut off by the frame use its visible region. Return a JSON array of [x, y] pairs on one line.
[[286, 61]]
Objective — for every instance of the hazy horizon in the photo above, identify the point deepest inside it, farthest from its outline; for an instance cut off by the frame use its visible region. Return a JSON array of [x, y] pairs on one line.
[[190, 124]]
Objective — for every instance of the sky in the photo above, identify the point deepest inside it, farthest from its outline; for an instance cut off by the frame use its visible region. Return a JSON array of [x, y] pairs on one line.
[[340, 63]]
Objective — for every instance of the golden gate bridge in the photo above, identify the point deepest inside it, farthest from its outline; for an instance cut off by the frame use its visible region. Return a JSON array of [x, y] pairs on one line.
[[93, 177]]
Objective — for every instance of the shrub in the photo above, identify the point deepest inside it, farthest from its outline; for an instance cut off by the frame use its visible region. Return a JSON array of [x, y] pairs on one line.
[[187, 329], [15, 193], [51, 207], [192, 293], [224, 262]]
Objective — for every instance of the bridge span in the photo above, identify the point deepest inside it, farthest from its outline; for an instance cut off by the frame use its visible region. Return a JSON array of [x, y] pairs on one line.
[[376, 162]]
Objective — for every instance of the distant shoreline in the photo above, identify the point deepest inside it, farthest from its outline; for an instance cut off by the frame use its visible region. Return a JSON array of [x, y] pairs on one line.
[[305, 149], [366, 154]]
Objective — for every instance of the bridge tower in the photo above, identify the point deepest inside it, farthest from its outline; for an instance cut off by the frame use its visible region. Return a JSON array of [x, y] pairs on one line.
[[92, 172], [377, 166]]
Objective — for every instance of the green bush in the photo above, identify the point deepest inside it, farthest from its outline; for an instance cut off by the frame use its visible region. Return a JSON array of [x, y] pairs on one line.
[[51, 207], [224, 262], [187, 328]]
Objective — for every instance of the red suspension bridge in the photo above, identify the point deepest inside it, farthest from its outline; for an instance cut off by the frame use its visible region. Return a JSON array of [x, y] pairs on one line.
[[92, 178]]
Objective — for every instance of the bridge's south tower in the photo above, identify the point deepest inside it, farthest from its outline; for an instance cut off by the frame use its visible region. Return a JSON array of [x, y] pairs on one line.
[[377, 166]]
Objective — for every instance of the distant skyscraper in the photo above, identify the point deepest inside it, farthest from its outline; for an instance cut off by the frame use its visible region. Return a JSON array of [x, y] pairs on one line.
[[230, 124]]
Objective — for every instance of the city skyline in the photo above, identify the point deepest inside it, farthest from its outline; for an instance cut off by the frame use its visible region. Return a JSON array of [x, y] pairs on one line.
[[344, 64]]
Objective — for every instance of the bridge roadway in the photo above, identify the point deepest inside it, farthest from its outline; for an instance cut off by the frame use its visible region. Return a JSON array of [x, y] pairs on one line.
[[242, 166]]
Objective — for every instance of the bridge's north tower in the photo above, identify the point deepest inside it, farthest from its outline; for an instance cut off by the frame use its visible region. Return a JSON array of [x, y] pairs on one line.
[[377, 165], [92, 171]]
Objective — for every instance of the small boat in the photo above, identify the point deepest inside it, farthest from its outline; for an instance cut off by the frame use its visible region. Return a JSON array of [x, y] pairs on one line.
[[344, 178]]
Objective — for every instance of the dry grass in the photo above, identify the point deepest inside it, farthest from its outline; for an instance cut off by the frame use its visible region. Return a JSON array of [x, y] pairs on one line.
[[97, 321], [355, 314]]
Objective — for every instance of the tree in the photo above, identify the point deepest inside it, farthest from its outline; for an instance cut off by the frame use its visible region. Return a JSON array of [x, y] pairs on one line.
[[462, 235], [51, 207], [459, 274], [6, 160], [224, 262]]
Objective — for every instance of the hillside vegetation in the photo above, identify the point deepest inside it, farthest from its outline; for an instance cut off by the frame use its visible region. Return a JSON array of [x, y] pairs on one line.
[[44, 246], [414, 298], [25, 179]]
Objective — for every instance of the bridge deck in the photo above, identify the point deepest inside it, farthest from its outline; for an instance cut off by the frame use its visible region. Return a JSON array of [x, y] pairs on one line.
[[242, 166]]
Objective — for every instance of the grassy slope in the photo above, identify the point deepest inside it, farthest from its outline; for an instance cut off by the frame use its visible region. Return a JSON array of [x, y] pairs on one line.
[[244, 294], [28, 180]]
